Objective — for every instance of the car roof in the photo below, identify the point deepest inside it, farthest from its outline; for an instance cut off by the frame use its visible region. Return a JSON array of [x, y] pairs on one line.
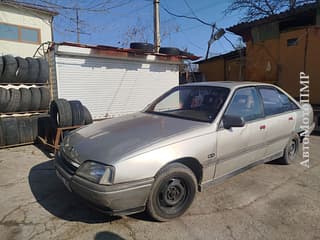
[[228, 84]]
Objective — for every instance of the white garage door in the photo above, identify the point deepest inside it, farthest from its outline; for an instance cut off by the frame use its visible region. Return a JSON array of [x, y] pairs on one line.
[[111, 87]]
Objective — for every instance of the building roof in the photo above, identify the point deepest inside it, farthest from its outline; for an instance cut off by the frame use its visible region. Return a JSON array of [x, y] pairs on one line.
[[115, 52], [298, 12], [28, 6], [228, 55]]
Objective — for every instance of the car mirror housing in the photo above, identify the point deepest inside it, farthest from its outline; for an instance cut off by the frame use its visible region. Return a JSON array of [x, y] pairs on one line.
[[230, 121]]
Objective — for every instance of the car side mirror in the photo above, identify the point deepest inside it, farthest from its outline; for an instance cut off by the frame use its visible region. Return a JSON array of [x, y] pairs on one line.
[[230, 121]]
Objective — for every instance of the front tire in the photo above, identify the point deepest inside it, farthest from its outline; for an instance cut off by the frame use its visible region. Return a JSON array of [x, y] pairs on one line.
[[172, 192], [291, 150]]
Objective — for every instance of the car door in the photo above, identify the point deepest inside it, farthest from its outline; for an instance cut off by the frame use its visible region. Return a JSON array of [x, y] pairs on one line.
[[239, 147], [280, 119]]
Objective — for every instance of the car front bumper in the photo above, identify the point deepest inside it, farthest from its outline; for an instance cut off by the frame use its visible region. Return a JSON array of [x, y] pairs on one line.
[[117, 199]]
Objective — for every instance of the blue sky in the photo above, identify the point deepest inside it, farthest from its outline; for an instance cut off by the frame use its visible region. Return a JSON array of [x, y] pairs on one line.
[[110, 27]]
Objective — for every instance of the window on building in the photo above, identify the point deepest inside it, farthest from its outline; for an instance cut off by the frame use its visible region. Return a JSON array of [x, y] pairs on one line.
[[292, 42], [19, 33]]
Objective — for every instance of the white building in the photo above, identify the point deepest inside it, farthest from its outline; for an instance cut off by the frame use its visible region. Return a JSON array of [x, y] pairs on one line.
[[111, 81], [23, 28]]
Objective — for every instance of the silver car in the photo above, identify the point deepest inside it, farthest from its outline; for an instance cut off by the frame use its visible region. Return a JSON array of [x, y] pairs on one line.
[[189, 138]]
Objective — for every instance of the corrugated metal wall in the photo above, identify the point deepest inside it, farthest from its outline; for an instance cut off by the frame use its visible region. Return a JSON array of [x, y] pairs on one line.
[[110, 87]]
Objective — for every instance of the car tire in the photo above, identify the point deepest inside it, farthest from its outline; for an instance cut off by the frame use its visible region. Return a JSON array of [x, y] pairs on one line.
[[170, 51], [2, 140], [60, 111], [14, 102], [172, 192], [45, 98], [25, 101], [35, 99], [145, 47], [77, 113], [10, 130], [1, 67], [87, 115], [33, 70], [4, 99], [9, 69], [291, 150], [22, 70], [25, 129], [43, 71]]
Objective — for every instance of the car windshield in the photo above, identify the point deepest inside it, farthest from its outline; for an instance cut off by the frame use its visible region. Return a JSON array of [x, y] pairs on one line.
[[198, 103]]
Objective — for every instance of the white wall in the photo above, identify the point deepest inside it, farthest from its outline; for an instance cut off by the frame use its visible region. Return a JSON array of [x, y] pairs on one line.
[[23, 17]]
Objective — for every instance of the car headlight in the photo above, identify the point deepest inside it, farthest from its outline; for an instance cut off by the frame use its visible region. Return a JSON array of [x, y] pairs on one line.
[[96, 172]]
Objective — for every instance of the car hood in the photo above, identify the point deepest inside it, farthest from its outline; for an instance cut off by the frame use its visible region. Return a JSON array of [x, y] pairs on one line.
[[110, 140]]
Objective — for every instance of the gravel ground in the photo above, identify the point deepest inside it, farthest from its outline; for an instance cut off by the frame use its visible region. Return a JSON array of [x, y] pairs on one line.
[[269, 201]]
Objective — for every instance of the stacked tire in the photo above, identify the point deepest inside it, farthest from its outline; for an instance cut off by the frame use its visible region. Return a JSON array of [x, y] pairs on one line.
[[24, 129], [69, 113], [18, 70], [24, 99]]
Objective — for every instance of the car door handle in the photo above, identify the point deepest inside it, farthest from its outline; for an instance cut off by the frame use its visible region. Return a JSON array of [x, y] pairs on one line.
[[290, 118], [262, 127]]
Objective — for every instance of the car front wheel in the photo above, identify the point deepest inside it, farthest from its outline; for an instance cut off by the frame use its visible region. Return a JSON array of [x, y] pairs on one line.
[[172, 193]]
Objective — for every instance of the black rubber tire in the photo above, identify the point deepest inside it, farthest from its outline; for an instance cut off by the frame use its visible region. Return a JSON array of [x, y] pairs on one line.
[[45, 98], [33, 70], [10, 130], [169, 51], [22, 70], [87, 115], [60, 111], [2, 140], [46, 126], [77, 113], [25, 130], [1, 67], [158, 204], [43, 71], [35, 99], [145, 47], [288, 157], [34, 126], [25, 101], [14, 102], [9, 69], [4, 99], [185, 54]]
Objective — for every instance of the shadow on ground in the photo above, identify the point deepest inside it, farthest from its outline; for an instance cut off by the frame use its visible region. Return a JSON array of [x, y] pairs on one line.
[[52, 195], [105, 235]]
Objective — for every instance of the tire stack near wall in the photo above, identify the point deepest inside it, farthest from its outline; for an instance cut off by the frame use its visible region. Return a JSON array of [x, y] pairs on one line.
[[24, 99]]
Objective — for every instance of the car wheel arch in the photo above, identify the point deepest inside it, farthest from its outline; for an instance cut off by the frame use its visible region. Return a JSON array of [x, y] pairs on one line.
[[192, 163]]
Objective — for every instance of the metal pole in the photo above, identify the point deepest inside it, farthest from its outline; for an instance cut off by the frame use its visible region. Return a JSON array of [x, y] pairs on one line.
[[156, 16], [78, 28], [210, 42]]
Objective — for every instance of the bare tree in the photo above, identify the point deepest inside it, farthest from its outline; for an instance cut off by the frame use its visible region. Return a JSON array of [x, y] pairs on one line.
[[143, 32], [255, 9]]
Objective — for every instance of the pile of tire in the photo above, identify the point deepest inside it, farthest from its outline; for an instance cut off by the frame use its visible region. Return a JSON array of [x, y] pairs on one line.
[[24, 99], [23, 129], [23, 70], [69, 113]]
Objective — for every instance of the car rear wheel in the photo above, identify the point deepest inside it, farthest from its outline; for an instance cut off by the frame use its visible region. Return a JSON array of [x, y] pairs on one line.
[[291, 150], [172, 193]]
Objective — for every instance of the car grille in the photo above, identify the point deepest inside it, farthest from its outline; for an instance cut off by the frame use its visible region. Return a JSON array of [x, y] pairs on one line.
[[66, 163]]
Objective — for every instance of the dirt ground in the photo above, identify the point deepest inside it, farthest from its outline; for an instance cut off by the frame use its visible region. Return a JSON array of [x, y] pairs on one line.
[[270, 201]]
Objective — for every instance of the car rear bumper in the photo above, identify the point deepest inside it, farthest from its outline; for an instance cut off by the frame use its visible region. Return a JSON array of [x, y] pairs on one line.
[[117, 199]]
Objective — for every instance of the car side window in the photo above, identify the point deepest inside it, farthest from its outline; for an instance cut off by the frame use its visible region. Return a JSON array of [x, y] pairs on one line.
[[275, 102], [245, 103]]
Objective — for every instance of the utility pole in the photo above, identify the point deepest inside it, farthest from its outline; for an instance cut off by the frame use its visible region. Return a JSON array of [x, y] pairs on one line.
[[156, 17], [78, 28]]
